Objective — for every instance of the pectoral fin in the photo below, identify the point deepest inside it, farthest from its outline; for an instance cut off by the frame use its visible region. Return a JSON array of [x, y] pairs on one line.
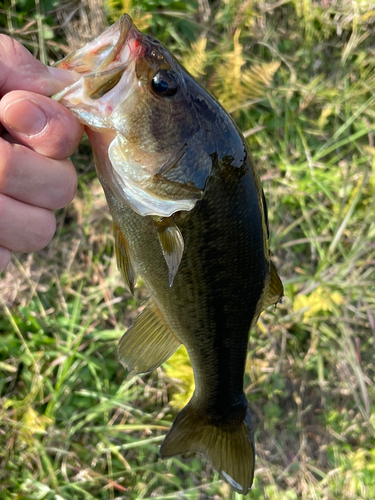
[[124, 261], [175, 191], [148, 342], [275, 288], [172, 244]]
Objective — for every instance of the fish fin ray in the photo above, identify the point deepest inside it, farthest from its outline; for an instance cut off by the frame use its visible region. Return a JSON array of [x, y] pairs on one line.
[[229, 446], [172, 245], [174, 190], [275, 288], [124, 262], [172, 162], [148, 342]]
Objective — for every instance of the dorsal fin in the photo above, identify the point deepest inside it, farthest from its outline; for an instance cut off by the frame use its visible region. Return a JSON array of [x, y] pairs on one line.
[[148, 342]]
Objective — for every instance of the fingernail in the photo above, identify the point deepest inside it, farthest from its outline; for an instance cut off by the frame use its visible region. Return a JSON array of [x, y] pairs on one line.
[[25, 117]]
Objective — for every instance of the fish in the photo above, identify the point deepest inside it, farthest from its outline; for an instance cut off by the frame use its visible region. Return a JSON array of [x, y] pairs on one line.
[[190, 219]]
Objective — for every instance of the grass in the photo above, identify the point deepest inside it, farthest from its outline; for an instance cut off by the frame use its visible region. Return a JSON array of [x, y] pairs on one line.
[[299, 79]]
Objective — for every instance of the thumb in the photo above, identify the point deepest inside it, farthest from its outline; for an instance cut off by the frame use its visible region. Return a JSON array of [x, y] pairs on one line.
[[19, 70]]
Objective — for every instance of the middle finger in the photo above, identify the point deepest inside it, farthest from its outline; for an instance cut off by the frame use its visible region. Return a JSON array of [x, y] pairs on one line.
[[35, 179]]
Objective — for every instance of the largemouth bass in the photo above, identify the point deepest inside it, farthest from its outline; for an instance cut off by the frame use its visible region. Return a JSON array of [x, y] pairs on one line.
[[190, 219]]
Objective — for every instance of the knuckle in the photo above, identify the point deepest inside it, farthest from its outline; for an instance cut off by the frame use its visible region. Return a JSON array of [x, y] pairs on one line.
[[8, 45], [71, 185], [44, 230], [6, 160], [9, 49], [67, 186], [69, 133], [5, 256], [2, 209]]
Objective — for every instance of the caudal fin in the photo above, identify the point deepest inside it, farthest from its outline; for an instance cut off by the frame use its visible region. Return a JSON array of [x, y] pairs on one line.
[[228, 444]]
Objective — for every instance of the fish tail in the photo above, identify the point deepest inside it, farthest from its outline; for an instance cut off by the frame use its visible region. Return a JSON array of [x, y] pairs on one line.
[[228, 442]]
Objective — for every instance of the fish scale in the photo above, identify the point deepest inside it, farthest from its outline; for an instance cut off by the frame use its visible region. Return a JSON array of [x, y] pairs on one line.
[[190, 218]]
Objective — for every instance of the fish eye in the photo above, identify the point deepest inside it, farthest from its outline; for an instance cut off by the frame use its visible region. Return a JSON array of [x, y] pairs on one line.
[[165, 83]]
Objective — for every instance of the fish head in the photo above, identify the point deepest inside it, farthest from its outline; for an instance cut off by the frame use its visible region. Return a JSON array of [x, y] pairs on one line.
[[143, 111]]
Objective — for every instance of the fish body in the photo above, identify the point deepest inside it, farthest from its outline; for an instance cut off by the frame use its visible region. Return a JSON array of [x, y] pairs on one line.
[[190, 218]]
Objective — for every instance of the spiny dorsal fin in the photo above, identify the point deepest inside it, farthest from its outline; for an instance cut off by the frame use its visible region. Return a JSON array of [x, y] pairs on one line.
[[172, 244], [124, 262], [148, 342], [227, 444], [275, 288]]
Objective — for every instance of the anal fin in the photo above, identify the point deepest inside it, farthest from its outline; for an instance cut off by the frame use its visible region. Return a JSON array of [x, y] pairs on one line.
[[148, 342], [124, 262]]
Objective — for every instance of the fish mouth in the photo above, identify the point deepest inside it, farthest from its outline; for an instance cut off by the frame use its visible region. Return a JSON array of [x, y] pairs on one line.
[[98, 54], [102, 62]]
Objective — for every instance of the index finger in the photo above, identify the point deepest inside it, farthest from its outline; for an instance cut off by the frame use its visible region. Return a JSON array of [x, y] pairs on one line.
[[19, 70]]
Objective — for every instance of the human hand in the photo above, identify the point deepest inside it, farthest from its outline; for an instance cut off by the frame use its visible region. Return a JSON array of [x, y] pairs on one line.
[[35, 175]]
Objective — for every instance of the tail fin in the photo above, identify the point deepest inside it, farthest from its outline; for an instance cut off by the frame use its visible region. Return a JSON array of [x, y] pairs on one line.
[[228, 444]]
